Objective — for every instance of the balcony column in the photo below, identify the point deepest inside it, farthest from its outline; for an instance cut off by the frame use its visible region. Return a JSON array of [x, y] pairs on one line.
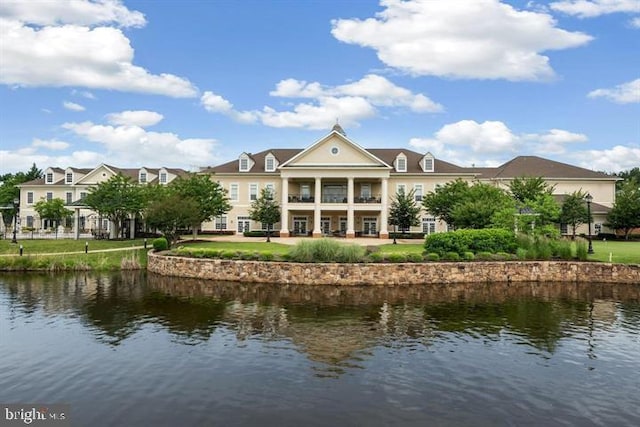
[[384, 213], [351, 233], [76, 225], [284, 214], [317, 232]]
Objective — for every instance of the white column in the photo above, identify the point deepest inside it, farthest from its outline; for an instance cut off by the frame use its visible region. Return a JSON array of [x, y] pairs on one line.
[[76, 224], [284, 220], [132, 227], [317, 232], [384, 213], [350, 208]]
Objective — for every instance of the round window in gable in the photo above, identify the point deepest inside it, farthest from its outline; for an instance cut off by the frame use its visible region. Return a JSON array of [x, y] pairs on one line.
[[335, 151]]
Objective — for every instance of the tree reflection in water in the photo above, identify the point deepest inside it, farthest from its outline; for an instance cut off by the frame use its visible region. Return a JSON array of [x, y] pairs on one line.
[[337, 326]]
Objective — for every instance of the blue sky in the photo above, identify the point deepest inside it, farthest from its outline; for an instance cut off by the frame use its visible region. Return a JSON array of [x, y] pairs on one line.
[[195, 83]]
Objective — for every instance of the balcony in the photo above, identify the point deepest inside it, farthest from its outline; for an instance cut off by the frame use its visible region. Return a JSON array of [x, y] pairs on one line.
[[334, 198], [300, 198], [370, 199]]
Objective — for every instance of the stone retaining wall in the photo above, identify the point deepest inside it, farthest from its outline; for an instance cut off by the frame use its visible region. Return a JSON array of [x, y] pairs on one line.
[[393, 274]]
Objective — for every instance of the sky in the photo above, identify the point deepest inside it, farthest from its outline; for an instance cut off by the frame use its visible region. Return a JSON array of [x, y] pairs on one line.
[[195, 83]]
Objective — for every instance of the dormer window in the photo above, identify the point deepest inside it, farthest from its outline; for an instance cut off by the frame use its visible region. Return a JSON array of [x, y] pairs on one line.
[[143, 177], [269, 163], [428, 163], [49, 178], [245, 163], [401, 163], [163, 178], [69, 178]]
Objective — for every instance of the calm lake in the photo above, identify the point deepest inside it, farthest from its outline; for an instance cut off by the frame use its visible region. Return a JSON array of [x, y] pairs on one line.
[[138, 350]]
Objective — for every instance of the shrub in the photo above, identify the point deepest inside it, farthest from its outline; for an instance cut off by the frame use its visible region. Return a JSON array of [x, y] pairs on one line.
[[160, 244], [249, 256], [521, 253], [301, 251], [433, 257], [468, 256], [484, 256], [397, 257], [461, 241], [228, 254], [562, 249], [376, 257], [266, 256], [581, 250], [501, 256], [414, 257], [261, 233], [350, 253], [452, 256]]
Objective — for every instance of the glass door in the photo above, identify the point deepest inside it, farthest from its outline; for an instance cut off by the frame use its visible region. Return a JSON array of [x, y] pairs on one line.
[[300, 226], [325, 226], [369, 226]]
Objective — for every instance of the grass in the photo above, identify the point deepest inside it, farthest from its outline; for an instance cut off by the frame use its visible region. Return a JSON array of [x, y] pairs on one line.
[[404, 248], [274, 248], [65, 245], [621, 252]]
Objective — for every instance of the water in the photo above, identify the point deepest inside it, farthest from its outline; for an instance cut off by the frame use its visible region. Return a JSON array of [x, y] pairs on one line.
[[127, 350]]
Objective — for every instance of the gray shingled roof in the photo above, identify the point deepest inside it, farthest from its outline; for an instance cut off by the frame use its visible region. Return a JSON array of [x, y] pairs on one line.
[[538, 166]]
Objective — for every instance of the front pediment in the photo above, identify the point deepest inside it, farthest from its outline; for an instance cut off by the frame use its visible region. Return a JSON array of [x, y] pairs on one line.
[[334, 150], [100, 174]]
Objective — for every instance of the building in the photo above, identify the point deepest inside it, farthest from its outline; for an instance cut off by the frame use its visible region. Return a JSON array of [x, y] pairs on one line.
[[72, 185], [337, 187]]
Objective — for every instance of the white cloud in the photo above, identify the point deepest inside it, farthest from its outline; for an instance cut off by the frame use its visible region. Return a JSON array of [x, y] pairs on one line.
[[635, 22], [73, 106], [349, 103], [130, 144], [625, 93], [492, 142], [51, 144], [77, 56], [483, 39], [593, 8], [615, 159], [83, 93], [80, 12], [142, 118]]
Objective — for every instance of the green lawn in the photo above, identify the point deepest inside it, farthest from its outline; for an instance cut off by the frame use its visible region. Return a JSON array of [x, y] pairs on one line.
[[405, 248], [274, 248], [621, 252], [65, 245]]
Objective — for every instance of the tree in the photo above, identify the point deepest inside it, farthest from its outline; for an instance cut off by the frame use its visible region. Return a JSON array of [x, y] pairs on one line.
[[9, 190], [53, 210], [116, 199], [625, 214], [535, 204], [441, 202], [211, 198], [525, 188], [631, 174], [404, 212], [479, 206], [574, 210], [265, 210], [169, 212]]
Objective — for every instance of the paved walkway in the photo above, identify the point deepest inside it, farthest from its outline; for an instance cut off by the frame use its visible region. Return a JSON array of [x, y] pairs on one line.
[[91, 251]]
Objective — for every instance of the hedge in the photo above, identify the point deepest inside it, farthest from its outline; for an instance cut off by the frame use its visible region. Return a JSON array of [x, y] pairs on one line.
[[469, 240]]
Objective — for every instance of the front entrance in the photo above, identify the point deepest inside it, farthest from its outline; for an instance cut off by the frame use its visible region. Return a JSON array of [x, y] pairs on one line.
[[325, 226], [300, 225], [343, 225], [244, 224], [369, 226]]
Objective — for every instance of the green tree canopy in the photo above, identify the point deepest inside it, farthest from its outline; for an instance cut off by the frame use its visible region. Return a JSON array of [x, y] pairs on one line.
[[210, 196], [574, 210], [442, 201], [52, 210], [265, 210], [525, 188], [9, 190], [536, 209], [625, 214], [404, 212], [168, 212], [116, 199]]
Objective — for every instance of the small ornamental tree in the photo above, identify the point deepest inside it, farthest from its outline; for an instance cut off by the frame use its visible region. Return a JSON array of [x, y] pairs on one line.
[[265, 210], [170, 212], [53, 210], [404, 212], [574, 211], [625, 214]]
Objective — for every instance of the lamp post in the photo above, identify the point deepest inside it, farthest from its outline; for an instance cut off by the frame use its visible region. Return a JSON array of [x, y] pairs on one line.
[[394, 234], [16, 205], [589, 199]]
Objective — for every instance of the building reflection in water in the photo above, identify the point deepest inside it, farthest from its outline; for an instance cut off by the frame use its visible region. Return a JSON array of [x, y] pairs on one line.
[[335, 326]]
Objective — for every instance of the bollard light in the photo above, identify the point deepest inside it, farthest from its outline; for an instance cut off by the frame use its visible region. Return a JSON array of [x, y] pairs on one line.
[[21, 249], [86, 247], [145, 243]]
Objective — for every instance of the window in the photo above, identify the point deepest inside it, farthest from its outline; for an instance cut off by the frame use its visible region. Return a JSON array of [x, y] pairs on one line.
[[401, 188], [143, 177], [244, 224], [427, 164], [221, 222], [233, 192], [401, 164], [69, 177], [564, 229], [270, 164], [49, 196], [597, 228], [163, 177], [428, 225], [30, 197], [271, 190], [83, 194], [365, 191], [69, 198], [335, 151], [29, 221], [253, 192], [244, 164], [49, 177], [417, 192], [305, 192]]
